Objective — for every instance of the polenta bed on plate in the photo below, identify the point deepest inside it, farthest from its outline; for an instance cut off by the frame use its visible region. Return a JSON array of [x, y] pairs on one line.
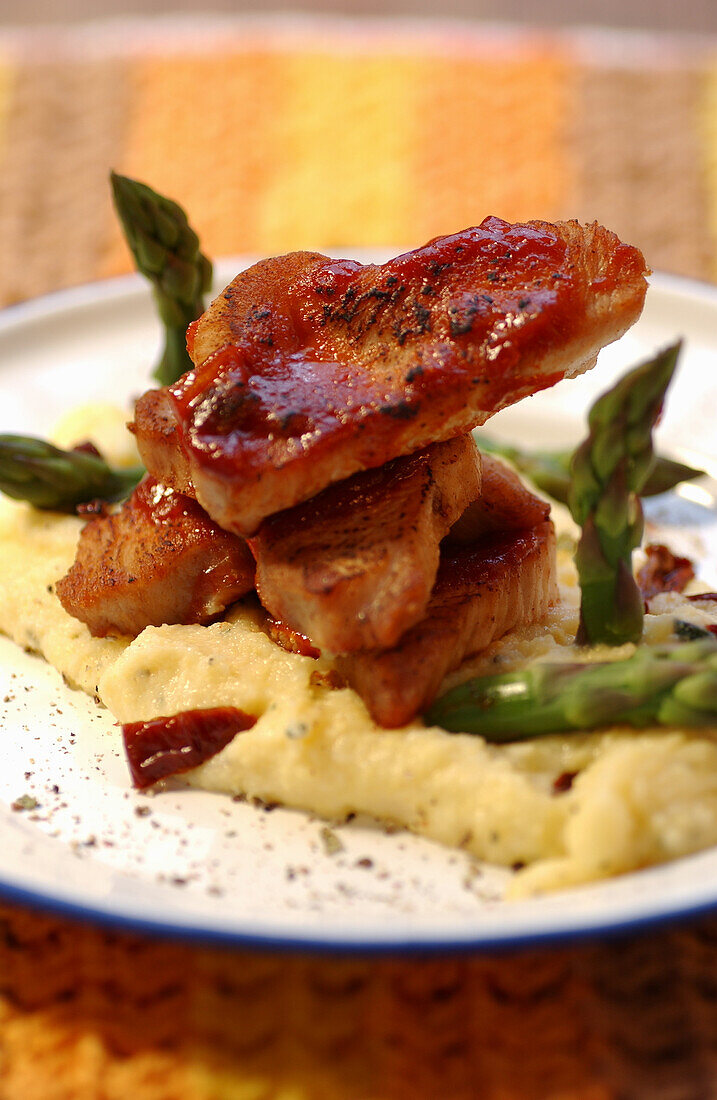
[[198, 864]]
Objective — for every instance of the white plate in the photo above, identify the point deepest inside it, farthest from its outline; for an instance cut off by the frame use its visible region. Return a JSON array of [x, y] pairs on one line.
[[198, 865]]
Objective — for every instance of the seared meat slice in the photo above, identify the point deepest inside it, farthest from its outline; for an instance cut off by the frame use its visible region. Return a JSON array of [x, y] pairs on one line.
[[156, 425], [353, 568], [310, 369], [481, 592], [504, 504], [159, 559]]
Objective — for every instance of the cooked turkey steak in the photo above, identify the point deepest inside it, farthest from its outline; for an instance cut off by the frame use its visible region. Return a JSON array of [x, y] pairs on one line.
[[353, 568], [155, 424], [310, 369], [504, 504], [482, 591], [159, 559]]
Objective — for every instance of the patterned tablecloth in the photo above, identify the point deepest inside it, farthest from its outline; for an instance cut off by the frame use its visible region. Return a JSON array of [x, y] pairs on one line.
[[279, 135]]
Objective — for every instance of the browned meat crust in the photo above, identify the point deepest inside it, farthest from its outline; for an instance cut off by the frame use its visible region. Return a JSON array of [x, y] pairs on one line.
[[310, 369], [159, 559], [482, 591], [504, 504], [353, 568]]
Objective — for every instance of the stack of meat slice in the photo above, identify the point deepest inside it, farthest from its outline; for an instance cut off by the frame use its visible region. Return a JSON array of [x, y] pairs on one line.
[[326, 427]]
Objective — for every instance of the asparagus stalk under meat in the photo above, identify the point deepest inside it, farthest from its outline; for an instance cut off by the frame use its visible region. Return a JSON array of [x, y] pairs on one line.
[[166, 251], [549, 471], [657, 686], [47, 477], [608, 472]]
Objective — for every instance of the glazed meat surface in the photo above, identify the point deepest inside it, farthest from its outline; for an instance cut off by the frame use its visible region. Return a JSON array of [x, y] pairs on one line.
[[159, 559], [353, 568], [482, 591], [310, 369]]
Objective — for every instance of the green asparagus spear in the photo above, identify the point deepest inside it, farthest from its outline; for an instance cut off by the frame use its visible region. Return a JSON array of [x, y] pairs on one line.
[[166, 251], [550, 470], [47, 477], [608, 473], [665, 686]]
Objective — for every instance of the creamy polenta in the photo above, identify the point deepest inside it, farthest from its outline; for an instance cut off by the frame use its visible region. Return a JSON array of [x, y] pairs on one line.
[[563, 809]]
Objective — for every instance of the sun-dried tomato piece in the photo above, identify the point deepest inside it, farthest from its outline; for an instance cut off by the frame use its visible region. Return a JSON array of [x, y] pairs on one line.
[[168, 746], [663, 572]]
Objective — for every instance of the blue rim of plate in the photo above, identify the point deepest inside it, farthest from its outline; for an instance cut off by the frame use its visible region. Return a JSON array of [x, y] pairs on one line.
[[227, 938], [127, 286]]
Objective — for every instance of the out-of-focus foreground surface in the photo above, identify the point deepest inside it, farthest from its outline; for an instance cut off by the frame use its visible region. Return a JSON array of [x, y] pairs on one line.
[[95, 1015]]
